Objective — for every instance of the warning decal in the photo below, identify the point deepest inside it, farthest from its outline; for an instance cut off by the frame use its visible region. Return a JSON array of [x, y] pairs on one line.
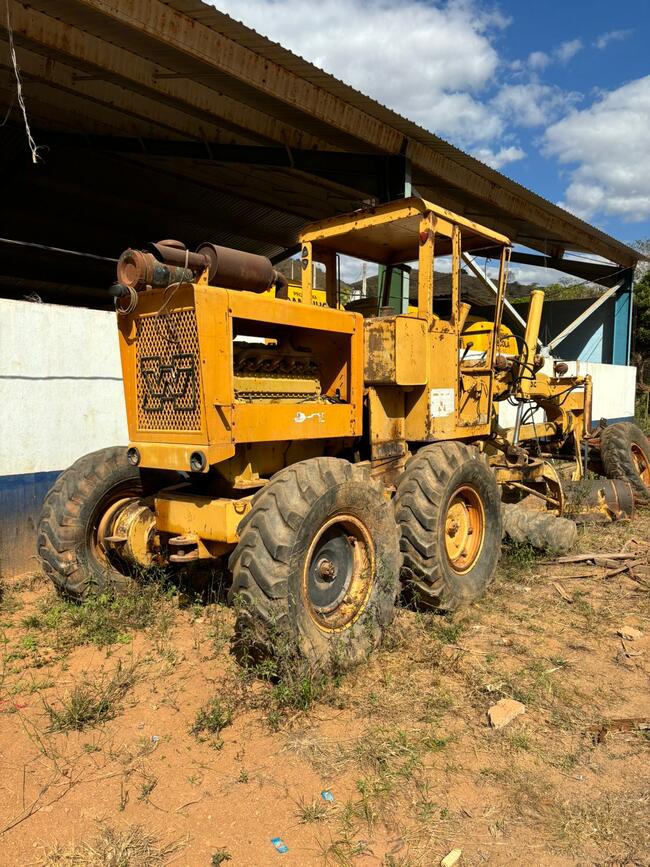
[[441, 401]]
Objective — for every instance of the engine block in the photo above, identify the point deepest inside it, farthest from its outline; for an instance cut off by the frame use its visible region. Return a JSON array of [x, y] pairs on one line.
[[275, 373]]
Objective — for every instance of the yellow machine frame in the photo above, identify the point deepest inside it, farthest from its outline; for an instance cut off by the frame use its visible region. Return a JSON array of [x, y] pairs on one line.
[[223, 421], [411, 369]]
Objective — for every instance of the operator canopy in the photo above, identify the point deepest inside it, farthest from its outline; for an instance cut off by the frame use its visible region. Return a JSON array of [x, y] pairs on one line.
[[390, 234]]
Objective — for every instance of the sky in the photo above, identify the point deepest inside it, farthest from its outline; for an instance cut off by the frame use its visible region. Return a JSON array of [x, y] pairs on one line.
[[556, 95]]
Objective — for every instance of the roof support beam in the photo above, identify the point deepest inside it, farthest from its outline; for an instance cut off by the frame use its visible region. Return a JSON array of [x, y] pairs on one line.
[[80, 49], [107, 102], [383, 176], [577, 322], [605, 275]]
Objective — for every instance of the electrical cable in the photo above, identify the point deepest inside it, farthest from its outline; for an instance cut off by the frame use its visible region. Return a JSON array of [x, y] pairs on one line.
[[130, 307]]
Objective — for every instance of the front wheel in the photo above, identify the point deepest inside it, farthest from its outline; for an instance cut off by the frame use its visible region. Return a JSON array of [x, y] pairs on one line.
[[76, 519], [316, 570], [449, 512]]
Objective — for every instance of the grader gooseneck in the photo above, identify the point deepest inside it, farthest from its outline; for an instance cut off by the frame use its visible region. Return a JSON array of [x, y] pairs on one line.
[[324, 456]]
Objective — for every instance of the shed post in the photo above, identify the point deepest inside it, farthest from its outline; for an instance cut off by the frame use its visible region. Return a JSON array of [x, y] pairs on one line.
[[621, 343]]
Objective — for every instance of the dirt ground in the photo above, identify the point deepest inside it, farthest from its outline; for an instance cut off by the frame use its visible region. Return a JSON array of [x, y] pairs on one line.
[[129, 735]]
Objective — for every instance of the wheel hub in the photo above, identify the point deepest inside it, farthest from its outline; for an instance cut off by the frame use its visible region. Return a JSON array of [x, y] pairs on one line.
[[127, 529], [327, 570], [464, 529], [338, 574]]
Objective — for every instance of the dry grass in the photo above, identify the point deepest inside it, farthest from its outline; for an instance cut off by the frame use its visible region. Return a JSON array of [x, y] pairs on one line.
[[130, 847], [619, 820], [421, 702]]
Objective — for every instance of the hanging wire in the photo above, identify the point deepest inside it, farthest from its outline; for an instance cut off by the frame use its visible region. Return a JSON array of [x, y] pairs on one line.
[[132, 303], [33, 147]]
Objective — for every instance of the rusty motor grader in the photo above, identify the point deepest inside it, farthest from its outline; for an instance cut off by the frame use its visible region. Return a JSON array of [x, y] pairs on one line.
[[325, 455]]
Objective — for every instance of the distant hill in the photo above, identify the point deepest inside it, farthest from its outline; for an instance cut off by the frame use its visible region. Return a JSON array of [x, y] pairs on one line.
[[291, 268]]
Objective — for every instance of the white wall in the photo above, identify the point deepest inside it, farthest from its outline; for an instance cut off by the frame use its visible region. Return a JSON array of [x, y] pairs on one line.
[[60, 386], [614, 389]]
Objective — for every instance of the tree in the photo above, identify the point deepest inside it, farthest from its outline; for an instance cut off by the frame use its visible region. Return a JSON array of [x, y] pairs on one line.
[[642, 322], [641, 330]]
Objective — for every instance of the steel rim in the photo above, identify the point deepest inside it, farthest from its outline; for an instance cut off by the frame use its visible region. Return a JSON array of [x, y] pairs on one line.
[[102, 522], [641, 463], [464, 529], [339, 572]]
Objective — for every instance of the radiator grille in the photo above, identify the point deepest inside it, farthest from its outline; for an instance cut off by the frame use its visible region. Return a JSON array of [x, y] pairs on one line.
[[168, 372]]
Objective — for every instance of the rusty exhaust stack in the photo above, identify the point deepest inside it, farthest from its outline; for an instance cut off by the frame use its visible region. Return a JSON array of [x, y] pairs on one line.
[[167, 262]]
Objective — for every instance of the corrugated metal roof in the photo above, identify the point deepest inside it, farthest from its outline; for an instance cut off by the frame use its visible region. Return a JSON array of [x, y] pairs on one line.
[[97, 66]]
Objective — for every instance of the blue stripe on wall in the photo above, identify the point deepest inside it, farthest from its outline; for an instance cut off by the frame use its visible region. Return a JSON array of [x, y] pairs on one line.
[[21, 499]]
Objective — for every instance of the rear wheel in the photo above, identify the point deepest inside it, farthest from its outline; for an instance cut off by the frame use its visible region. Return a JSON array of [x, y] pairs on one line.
[[316, 567], [449, 512], [77, 518], [625, 454]]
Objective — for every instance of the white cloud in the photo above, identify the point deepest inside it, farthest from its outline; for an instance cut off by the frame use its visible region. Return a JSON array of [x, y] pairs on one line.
[[535, 276], [538, 60], [608, 143], [533, 104], [525, 275], [611, 36], [500, 158], [431, 63], [461, 117], [567, 50]]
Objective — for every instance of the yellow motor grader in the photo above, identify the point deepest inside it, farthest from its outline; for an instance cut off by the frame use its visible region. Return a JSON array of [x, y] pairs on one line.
[[325, 454]]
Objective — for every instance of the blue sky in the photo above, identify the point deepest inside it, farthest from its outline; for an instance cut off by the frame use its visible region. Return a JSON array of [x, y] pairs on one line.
[[554, 94], [614, 50]]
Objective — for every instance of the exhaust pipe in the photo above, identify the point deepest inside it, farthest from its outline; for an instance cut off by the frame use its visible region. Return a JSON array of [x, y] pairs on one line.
[[167, 262]]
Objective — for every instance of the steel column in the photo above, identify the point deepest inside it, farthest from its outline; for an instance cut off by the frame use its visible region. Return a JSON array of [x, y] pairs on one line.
[[621, 344]]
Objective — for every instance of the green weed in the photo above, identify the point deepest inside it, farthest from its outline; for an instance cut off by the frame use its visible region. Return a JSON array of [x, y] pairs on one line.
[[210, 720], [89, 704], [314, 811], [148, 785], [517, 560], [445, 630], [102, 619]]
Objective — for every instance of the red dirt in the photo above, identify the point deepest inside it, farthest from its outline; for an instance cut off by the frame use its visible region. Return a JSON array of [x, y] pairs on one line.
[[403, 742]]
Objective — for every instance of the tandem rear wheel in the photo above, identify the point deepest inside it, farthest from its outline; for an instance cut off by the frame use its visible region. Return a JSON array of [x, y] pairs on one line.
[[316, 570], [448, 508]]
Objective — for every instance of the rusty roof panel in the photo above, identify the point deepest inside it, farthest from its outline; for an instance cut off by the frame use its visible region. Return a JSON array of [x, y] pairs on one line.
[[155, 54]]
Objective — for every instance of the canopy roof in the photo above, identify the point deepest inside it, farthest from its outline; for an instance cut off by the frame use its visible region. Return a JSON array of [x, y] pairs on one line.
[[172, 120], [390, 233]]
